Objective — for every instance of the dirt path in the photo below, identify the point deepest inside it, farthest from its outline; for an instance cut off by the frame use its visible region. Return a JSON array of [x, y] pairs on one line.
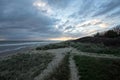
[[73, 69], [60, 54], [76, 52]]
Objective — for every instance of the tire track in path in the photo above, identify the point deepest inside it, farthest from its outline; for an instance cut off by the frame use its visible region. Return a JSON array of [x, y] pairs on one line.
[[59, 56], [73, 69]]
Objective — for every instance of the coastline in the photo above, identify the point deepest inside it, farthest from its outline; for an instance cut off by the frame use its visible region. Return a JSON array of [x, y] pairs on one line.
[[14, 52], [21, 50], [58, 62]]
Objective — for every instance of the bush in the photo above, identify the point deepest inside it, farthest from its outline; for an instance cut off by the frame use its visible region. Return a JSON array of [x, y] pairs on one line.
[[53, 46], [111, 34]]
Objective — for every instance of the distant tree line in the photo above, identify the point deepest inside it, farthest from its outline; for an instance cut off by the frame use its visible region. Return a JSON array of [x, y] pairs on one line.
[[112, 33]]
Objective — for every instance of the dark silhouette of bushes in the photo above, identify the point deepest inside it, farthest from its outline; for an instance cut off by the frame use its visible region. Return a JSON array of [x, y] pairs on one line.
[[117, 29], [108, 38], [115, 42], [97, 35], [112, 33]]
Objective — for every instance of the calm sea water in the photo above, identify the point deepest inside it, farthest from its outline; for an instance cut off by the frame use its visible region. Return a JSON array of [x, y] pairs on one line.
[[16, 45]]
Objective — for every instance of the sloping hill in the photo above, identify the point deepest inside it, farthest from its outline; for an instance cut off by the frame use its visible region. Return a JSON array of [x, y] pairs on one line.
[[105, 41]]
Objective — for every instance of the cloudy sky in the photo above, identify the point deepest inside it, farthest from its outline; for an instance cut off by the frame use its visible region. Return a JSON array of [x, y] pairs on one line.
[[56, 19]]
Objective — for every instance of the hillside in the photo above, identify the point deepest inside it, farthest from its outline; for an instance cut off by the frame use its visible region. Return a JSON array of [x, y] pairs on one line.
[[106, 41], [108, 38]]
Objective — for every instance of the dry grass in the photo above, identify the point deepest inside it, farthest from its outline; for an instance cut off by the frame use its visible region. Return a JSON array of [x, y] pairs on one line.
[[23, 66]]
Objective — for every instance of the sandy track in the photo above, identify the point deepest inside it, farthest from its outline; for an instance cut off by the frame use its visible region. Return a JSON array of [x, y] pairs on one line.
[[76, 52], [59, 56], [73, 69]]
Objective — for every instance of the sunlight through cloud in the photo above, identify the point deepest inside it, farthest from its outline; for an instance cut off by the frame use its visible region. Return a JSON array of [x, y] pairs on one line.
[[43, 6]]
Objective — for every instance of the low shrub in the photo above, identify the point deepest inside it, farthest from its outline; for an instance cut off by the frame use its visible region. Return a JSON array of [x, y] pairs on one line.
[[53, 46]]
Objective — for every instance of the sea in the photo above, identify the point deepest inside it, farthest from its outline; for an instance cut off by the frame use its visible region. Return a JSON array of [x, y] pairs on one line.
[[7, 46]]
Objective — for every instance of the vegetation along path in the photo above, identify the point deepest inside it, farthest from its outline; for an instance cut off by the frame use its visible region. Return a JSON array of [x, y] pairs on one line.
[[60, 54], [60, 64]]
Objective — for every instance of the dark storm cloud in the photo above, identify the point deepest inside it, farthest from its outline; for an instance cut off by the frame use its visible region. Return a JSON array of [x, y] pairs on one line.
[[43, 19], [19, 19], [16, 10], [25, 30]]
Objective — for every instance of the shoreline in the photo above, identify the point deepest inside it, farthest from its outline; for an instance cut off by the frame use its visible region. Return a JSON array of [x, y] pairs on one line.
[[21, 50], [14, 52]]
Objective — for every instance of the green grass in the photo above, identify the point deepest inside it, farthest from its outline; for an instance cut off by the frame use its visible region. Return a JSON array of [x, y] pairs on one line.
[[96, 48], [85, 47], [53, 46], [23, 66], [62, 72], [97, 69]]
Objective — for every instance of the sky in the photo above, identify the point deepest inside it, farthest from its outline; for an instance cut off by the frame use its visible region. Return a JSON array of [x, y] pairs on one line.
[[56, 19]]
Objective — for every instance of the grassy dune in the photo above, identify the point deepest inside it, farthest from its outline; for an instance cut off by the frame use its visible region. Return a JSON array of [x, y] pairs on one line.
[[98, 69], [23, 66], [28, 66], [85, 47], [53, 46], [96, 48]]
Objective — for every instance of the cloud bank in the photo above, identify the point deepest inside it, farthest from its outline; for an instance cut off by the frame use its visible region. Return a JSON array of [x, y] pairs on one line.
[[56, 19]]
